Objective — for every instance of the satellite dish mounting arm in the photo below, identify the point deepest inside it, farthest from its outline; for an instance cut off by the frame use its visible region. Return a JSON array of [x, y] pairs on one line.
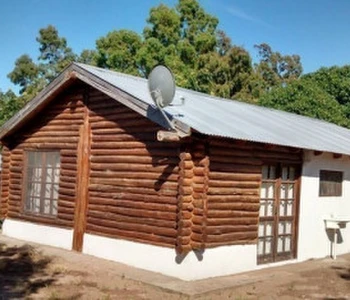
[[159, 103]]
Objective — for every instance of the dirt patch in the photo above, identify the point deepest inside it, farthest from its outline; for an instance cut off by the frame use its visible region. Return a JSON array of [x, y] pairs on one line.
[[28, 272]]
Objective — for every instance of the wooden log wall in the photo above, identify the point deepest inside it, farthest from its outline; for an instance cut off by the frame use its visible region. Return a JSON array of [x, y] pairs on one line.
[[234, 188], [5, 182], [133, 179], [56, 127]]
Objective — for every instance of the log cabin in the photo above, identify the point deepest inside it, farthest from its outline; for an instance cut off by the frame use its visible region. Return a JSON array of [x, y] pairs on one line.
[[90, 165]]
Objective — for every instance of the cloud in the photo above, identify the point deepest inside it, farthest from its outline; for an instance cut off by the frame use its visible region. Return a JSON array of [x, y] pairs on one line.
[[239, 13]]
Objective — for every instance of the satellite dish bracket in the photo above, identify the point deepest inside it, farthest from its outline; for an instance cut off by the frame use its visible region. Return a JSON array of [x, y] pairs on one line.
[[159, 101], [161, 85]]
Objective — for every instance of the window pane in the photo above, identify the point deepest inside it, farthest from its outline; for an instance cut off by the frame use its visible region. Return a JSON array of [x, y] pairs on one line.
[[42, 182], [330, 183], [291, 173]]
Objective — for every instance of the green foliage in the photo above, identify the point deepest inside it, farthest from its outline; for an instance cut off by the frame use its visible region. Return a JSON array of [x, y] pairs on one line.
[[54, 52], [88, 57], [275, 68], [9, 105], [24, 73], [117, 51], [303, 97], [335, 81]]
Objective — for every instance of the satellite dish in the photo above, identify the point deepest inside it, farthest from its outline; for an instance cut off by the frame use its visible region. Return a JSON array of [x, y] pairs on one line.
[[161, 85]]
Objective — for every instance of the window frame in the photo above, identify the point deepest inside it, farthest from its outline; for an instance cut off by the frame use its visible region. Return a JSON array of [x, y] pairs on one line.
[[321, 190], [25, 175]]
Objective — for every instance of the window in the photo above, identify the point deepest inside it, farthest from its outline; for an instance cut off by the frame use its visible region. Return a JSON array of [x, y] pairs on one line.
[[330, 183], [41, 182]]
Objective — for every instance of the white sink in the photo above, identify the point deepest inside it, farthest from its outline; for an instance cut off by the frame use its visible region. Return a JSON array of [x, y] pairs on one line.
[[336, 222]]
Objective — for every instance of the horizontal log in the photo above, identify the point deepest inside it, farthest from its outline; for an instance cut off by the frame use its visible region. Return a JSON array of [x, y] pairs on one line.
[[50, 145], [17, 157], [67, 185], [65, 203], [133, 227], [136, 152], [231, 214], [68, 160], [48, 140], [167, 175], [142, 183], [16, 169], [69, 218], [98, 123], [97, 205], [147, 136], [69, 166], [111, 108], [15, 192], [15, 186], [134, 167], [218, 230], [110, 198], [123, 145], [132, 236], [233, 191], [234, 206], [135, 159], [133, 190], [68, 192], [251, 241], [60, 122], [112, 114], [234, 168], [132, 220], [71, 174], [66, 210], [117, 130], [235, 184], [234, 198], [227, 237], [52, 133], [216, 151], [133, 212], [225, 176]]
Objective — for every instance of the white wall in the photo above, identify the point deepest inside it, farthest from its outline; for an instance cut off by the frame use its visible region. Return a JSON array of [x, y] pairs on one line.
[[213, 262], [313, 239], [37, 233]]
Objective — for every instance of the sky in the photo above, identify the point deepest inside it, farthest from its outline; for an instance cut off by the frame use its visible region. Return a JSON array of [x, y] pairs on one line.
[[317, 30]]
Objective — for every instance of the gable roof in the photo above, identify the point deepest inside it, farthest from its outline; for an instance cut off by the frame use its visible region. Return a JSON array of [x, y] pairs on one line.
[[201, 112]]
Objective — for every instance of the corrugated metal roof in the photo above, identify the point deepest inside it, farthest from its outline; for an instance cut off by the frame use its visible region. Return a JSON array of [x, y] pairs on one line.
[[233, 119]]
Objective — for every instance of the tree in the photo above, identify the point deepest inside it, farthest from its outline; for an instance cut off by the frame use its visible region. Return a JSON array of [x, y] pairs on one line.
[[54, 52], [117, 51], [25, 72], [334, 80], [304, 97], [88, 57], [275, 68], [9, 105]]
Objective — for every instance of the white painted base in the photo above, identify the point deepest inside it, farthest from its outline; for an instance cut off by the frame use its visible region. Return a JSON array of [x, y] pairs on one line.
[[213, 262], [47, 235]]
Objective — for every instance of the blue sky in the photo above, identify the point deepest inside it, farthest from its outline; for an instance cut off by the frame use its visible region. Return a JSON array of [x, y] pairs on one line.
[[317, 30]]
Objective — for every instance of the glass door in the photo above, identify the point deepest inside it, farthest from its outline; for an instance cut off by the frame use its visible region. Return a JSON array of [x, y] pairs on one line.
[[278, 213]]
